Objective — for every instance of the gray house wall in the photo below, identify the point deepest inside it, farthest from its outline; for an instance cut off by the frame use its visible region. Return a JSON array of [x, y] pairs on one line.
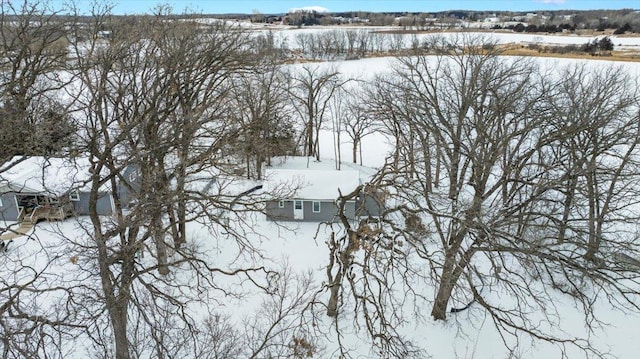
[[128, 191], [370, 204], [275, 213], [103, 207], [9, 209], [328, 211]]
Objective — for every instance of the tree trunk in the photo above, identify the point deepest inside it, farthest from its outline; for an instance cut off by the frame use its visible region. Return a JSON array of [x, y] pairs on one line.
[[339, 152], [593, 245], [310, 137], [248, 162], [336, 144], [355, 151], [181, 209], [119, 325], [572, 182], [345, 257], [451, 271], [426, 155], [115, 289], [161, 246], [259, 162], [332, 305], [182, 220], [447, 283], [117, 304]]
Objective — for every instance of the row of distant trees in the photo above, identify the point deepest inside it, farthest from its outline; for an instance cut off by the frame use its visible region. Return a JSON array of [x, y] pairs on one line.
[[621, 21], [520, 27], [551, 28], [349, 44], [597, 47]]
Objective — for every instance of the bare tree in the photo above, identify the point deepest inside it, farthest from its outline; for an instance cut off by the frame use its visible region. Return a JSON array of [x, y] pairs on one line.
[[363, 43], [503, 177], [331, 44], [380, 42], [304, 43], [358, 122], [264, 116], [33, 51], [281, 328], [366, 255], [457, 111], [351, 37], [270, 48], [33, 42], [597, 109], [155, 101], [312, 90], [338, 111], [349, 114], [397, 42]]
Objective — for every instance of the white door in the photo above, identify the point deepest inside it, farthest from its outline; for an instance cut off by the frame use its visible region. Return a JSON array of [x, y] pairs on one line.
[[298, 210]]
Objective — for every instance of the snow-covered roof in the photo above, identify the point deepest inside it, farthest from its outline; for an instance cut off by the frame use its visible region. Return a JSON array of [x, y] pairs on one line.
[[313, 184], [6, 187], [47, 175]]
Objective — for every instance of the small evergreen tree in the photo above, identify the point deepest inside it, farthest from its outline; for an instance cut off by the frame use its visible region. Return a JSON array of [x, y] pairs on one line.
[[605, 44], [598, 46], [622, 29]]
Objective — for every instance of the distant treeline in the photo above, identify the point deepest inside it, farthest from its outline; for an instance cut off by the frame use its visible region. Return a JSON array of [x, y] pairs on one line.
[[551, 28], [596, 47], [621, 21]]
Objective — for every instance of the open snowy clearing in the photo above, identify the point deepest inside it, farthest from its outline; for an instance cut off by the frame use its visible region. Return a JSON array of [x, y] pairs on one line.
[[288, 35]]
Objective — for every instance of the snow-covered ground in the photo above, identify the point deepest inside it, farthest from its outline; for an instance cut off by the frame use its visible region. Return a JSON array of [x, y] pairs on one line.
[[289, 34], [55, 248], [469, 334]]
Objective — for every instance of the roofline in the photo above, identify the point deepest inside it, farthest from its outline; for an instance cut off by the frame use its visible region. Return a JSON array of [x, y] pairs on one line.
[[12, 187]]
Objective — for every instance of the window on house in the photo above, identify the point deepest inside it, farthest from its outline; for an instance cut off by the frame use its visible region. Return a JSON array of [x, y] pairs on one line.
[[316, 207], [1, 202], [298, 204], [74, 196], [281, 203]]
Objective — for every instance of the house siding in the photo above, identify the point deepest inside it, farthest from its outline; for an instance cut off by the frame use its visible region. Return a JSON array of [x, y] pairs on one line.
[[103, 206], [371, 204], [128, 194], [328, 211], [275, 213], [9, 209]]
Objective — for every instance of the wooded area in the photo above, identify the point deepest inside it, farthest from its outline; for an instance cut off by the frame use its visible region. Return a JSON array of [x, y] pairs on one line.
[[505, 177]]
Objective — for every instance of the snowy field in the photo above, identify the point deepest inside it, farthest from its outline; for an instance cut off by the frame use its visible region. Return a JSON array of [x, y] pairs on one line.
[[288, 35], [55, 248]]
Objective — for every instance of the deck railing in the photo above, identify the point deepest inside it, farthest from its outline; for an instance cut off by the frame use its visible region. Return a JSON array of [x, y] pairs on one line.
[[55, 213]]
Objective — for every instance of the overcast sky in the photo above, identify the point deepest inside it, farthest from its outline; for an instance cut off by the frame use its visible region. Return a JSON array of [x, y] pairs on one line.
[[282, 6]]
